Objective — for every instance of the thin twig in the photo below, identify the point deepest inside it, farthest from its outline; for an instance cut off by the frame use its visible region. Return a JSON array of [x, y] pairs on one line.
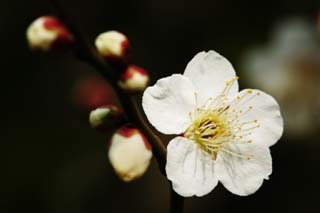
[[176, 202], [86, 52], [132, 107]]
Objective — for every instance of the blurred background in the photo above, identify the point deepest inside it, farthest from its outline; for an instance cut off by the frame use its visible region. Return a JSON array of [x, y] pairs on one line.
[[52, 161]]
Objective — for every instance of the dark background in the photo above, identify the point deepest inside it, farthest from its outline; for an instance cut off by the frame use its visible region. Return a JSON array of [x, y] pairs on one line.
[[52, 161]]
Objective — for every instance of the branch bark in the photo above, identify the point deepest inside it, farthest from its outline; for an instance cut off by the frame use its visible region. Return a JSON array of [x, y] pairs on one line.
[[86, 53], [176, 202], [130, 102]]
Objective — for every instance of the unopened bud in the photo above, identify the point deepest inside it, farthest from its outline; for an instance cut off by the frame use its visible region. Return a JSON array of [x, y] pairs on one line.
[[114, 47], [106, 117], [134, 78], [130, 153], [47, 33]]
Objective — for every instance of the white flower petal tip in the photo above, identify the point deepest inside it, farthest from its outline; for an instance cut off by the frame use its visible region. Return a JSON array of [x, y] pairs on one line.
[[113, 46], [167, 104], [258, 116], [129, 153], [210, 73], [189, 168], [106, 117], [244, 175], [47, 33], [225, 134], [134, 78]]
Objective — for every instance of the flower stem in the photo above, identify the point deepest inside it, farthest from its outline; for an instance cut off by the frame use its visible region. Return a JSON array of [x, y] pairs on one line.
[[86, 53], [176, 202], [131, 103]]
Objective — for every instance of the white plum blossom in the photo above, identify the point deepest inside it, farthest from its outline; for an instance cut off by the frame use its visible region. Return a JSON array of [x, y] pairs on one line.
[[224, 134]]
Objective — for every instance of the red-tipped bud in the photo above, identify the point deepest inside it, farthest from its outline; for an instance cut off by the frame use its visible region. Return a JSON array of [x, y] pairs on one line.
[[130, 153], [134, 78], [114, 47], [106, 117], [47, 33]]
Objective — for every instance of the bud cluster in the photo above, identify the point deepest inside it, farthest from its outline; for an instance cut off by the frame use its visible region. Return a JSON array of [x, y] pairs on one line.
[[115, 48], [129, 151]]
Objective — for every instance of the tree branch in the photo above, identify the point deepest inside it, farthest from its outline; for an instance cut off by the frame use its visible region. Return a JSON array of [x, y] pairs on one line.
[[86, 53], [176, 202], [129, 102]]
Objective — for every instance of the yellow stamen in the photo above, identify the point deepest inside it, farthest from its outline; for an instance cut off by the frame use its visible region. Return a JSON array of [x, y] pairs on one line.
[[216, 124]]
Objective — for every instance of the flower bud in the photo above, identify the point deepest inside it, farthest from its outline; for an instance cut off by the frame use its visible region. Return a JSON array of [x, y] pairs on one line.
[[47, 33], [106, 117], [130, 153], [134, 78], [114, 47]]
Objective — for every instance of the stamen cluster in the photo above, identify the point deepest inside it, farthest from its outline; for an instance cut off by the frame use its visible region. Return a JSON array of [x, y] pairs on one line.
[[216, 124]]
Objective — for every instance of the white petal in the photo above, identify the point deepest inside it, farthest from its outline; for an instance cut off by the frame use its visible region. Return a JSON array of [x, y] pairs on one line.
[[209, 72], [265, 110], [189, 168], [167, 104], [240, 175]]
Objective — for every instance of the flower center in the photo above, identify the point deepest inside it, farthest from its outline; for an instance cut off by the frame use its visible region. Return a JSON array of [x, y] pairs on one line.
[[217, 124], [207, 129]]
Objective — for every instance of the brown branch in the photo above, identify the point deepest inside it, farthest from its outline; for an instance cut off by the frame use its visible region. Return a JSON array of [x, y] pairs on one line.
[[176, 202], [87, 53], [129, 102]]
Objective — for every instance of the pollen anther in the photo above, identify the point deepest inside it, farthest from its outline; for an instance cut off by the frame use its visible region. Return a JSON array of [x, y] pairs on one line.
[[217, 123]]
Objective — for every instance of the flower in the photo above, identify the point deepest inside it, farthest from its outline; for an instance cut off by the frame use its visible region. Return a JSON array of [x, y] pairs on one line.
[[134, 78], [113, 46], [224, 134], [47, 33], [105, 117], [129, 153]]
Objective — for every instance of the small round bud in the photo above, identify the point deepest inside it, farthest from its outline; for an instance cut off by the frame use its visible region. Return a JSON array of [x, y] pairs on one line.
[[114, 47], [106, 117], [129, 153], [134, 78], [47, 33]]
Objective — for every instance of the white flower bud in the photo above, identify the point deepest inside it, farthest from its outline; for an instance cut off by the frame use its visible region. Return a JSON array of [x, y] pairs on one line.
[[130, 153], [47, 33], [106, 117], [134, 78], [113, 46]]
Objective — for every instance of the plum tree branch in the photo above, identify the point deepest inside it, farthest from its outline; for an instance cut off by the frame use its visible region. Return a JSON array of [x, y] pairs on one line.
[[130, 102], [87, 53]]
